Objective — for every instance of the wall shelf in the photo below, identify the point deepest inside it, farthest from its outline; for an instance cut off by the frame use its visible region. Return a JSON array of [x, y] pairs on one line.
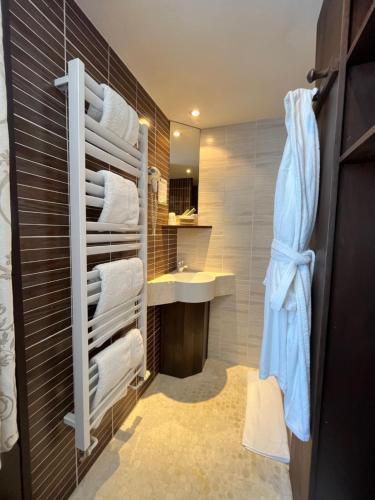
[[362, 49], [359, 117], [186, 226], [362, 150]]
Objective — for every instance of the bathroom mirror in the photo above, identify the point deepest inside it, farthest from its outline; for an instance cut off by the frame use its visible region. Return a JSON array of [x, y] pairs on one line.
[[184, 168]]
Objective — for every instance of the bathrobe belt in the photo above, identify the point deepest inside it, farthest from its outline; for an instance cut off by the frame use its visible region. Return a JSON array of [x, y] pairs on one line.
[[294, 260]]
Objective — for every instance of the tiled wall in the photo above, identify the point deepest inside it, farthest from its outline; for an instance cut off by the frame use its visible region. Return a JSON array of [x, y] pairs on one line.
[[237, 174], [44, 36], [180, 195]]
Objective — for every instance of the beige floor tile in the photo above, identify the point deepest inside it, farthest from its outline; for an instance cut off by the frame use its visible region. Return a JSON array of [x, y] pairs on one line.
[[183, 441]]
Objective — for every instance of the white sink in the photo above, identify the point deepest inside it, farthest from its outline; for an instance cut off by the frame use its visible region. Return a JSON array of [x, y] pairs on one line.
[[196, 277], [192, 287]]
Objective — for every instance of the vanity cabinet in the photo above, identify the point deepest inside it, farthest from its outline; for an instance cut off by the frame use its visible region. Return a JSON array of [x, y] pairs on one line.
[[184, 337]]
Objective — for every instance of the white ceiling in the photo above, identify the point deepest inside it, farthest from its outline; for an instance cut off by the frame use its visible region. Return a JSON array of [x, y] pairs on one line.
[[233, 59]]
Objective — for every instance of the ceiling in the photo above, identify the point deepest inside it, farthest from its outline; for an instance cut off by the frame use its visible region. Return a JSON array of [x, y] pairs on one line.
[[234, 60]]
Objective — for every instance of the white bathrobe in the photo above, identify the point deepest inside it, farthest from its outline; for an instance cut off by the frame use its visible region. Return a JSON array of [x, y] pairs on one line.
[[287, 312]]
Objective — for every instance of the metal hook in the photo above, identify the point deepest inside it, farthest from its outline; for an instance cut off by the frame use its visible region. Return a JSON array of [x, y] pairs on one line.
[[313, 75], [330, 73]]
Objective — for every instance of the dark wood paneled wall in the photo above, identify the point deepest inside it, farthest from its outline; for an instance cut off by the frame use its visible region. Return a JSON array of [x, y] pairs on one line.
[[328, 47], [338, 461], [44, 36], [180, 195]]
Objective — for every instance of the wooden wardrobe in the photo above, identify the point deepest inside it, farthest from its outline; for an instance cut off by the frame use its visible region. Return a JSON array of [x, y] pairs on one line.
[[338, 463]]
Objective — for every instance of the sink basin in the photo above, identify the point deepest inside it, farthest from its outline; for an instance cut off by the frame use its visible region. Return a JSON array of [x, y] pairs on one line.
[[197, 277], [194, 287], [190, 287]]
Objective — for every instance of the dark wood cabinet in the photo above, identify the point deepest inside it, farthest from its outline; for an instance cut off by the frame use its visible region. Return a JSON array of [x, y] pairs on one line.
[[184, 337], [338, 461]]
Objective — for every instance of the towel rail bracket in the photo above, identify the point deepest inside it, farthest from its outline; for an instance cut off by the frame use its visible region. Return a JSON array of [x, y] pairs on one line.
[[62, 83], [84, 454], [69, 420], [142, 380]]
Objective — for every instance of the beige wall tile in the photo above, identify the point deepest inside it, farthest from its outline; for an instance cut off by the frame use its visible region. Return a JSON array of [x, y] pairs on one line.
[[237, 261], [253, 352], [256, 292], [238, 169], [239, 206], [270, 138], [262, 235]]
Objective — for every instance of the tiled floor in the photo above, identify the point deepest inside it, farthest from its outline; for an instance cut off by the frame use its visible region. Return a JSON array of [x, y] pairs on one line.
[[183, 441]]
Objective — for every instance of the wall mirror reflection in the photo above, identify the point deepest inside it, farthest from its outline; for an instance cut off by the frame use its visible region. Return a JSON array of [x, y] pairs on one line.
[[184, 168]]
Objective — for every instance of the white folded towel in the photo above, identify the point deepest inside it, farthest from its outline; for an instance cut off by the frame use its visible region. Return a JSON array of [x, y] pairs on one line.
[[265, 430], [113, 363], [121, 200], [115, 114], [135, 340], [163, 192], [132, 131], [120, 281]]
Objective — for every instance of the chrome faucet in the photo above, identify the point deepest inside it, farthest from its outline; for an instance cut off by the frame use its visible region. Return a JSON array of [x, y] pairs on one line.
[[180, 266]]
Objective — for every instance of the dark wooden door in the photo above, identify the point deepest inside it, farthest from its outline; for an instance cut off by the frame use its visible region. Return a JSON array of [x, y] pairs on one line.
[[338, 462], [345, 456], [330, 47], [346, 452]]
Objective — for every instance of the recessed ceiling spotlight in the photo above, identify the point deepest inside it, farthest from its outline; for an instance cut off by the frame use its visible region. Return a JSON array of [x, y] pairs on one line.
[[177, 133], [188, 170], [195, 113]]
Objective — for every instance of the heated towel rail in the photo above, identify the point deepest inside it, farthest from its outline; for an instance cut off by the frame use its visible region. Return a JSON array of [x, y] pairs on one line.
[[87, 136]]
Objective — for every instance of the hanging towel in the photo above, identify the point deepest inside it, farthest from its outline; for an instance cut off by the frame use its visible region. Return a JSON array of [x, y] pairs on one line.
[[132, 130], [265, 431], [163, 192], [121, 280], [8, 389], [137, 349], [113, 363], [115, 113], [121, 200], [287, 311]]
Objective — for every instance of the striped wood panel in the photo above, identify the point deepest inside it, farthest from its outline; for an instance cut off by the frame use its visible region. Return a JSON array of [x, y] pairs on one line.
[[180, 195], [45, 35]]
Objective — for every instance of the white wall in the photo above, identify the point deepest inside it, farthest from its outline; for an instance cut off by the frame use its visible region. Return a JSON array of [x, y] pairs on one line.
[[238, 168]]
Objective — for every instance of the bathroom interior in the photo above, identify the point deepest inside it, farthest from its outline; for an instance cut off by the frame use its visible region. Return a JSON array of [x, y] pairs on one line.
[[187, 242]]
